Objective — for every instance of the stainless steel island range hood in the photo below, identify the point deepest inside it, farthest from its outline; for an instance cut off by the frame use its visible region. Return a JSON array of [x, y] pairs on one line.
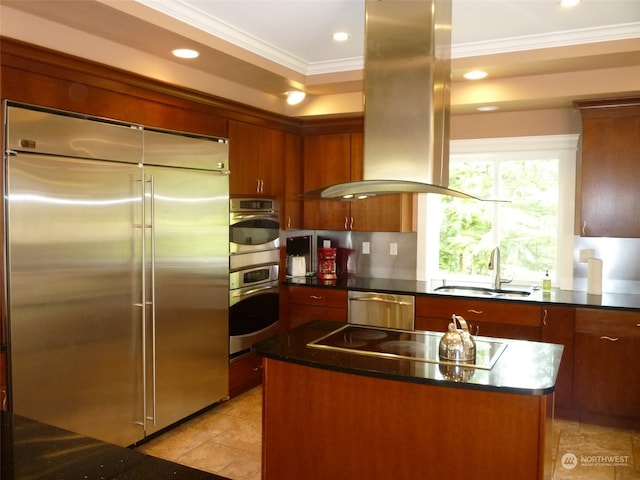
[[406, 115]]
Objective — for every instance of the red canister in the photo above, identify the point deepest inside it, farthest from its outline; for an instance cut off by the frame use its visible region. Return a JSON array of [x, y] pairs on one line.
[[327, 264]]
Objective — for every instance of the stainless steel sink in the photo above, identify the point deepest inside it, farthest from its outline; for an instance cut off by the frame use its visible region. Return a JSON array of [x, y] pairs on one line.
[[481, 291]]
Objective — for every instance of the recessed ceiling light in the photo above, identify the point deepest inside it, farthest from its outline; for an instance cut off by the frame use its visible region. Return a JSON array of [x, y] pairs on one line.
[[294, 97], [341, 36], [475, 75], [569, 3], [185, 53], [487, 108]]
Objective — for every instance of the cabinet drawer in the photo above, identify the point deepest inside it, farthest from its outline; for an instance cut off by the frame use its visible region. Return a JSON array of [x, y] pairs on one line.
[[513, 313], [325, 297], [245, 372], [608, 322], [299, 314]]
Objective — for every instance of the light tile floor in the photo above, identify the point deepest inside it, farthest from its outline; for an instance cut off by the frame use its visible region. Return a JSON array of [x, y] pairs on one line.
[[226, 440]]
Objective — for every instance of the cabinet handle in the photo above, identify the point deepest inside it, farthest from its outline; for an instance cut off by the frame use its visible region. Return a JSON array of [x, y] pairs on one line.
[[584, 227], [346, 222], [288, 223], [257, 185], [544, 317], [475, 311], [611, 339], [351, 224], [258, 368], [262, 186], [315, 297]]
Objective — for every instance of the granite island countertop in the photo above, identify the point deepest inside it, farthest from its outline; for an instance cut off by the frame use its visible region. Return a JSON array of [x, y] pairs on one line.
[[574, 298], [33, 450], [523, 367]]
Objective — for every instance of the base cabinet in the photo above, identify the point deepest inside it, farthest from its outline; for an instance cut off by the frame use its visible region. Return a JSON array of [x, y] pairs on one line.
[[310, 303], [245, 372], [558, 325], [486, 318], [607, 380], [3, 381]]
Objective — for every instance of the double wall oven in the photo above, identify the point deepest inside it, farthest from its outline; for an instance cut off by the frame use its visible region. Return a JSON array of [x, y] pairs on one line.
[[254, 236]]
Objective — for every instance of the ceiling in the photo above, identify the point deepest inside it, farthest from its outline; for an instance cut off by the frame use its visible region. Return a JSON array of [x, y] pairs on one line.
[[538, 54]]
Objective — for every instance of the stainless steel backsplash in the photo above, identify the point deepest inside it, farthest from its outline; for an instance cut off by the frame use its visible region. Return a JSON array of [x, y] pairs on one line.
[[620, 257], [379, 263], [620, 263]]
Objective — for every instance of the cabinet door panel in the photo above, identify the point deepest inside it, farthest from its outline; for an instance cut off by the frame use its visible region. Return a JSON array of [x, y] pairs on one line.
[[292, 205], [271, 145], [300, 314], [243, 153], [327, 160], [558, 326], [610, 144], [607, 380]]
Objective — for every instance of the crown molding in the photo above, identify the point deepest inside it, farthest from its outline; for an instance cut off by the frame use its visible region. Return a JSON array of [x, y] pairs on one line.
[[551, 40], [212, 25]]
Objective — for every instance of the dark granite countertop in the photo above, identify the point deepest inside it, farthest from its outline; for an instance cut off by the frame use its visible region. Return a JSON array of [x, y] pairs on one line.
[[525, 368], [32, 450], [556, 297]]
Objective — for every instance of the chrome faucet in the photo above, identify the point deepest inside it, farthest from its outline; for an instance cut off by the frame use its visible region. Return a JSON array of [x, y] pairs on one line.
[[494, 265]]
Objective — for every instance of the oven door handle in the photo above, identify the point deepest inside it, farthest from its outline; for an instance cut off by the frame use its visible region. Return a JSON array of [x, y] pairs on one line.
[[244, 293], [235, 216]]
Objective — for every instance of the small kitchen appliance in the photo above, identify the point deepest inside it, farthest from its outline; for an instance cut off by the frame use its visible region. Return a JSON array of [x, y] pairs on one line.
[[327, 264], [296, 266]]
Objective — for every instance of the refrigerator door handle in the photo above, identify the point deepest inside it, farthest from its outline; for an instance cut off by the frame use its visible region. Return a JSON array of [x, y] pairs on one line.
[[143, 290], [152, 232]]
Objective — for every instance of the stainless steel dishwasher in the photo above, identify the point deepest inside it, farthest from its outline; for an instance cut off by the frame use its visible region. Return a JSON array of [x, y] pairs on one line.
[[382, 309]]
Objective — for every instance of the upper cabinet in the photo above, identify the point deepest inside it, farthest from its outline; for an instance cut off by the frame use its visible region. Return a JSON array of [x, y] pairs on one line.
[[327, 160], [256, 160], [292, 204], [610, 161], [338, 158]]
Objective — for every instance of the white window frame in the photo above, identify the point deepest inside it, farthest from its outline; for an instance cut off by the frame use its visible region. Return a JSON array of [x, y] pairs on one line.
[[566, 146]]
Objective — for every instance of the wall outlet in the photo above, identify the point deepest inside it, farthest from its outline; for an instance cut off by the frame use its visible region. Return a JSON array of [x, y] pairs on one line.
[[366, 248], [586, 254], [393, 248]]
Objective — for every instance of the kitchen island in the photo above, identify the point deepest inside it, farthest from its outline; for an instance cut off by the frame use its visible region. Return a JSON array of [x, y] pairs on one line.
[[341, 414]]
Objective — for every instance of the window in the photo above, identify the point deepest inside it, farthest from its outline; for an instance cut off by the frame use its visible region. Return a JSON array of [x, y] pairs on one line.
[[534, 229]]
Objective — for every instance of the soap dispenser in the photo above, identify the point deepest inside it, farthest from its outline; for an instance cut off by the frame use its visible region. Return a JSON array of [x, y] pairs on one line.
[[546, 282]]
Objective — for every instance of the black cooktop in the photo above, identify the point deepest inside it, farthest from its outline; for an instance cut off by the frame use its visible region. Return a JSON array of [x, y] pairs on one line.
[[403, 344]]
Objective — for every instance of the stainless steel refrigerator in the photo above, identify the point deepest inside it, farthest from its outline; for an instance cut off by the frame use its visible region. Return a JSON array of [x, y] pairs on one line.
[[116, 273]]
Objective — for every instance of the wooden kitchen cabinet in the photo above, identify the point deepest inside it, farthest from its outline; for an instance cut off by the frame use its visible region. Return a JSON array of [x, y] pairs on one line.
[[316, 303], [245, 372], [610, 161], [256, 160], [292, 205], [338, 158], [491, 318], [607, 379], [558, 326], [4, 392], [327, 160]]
